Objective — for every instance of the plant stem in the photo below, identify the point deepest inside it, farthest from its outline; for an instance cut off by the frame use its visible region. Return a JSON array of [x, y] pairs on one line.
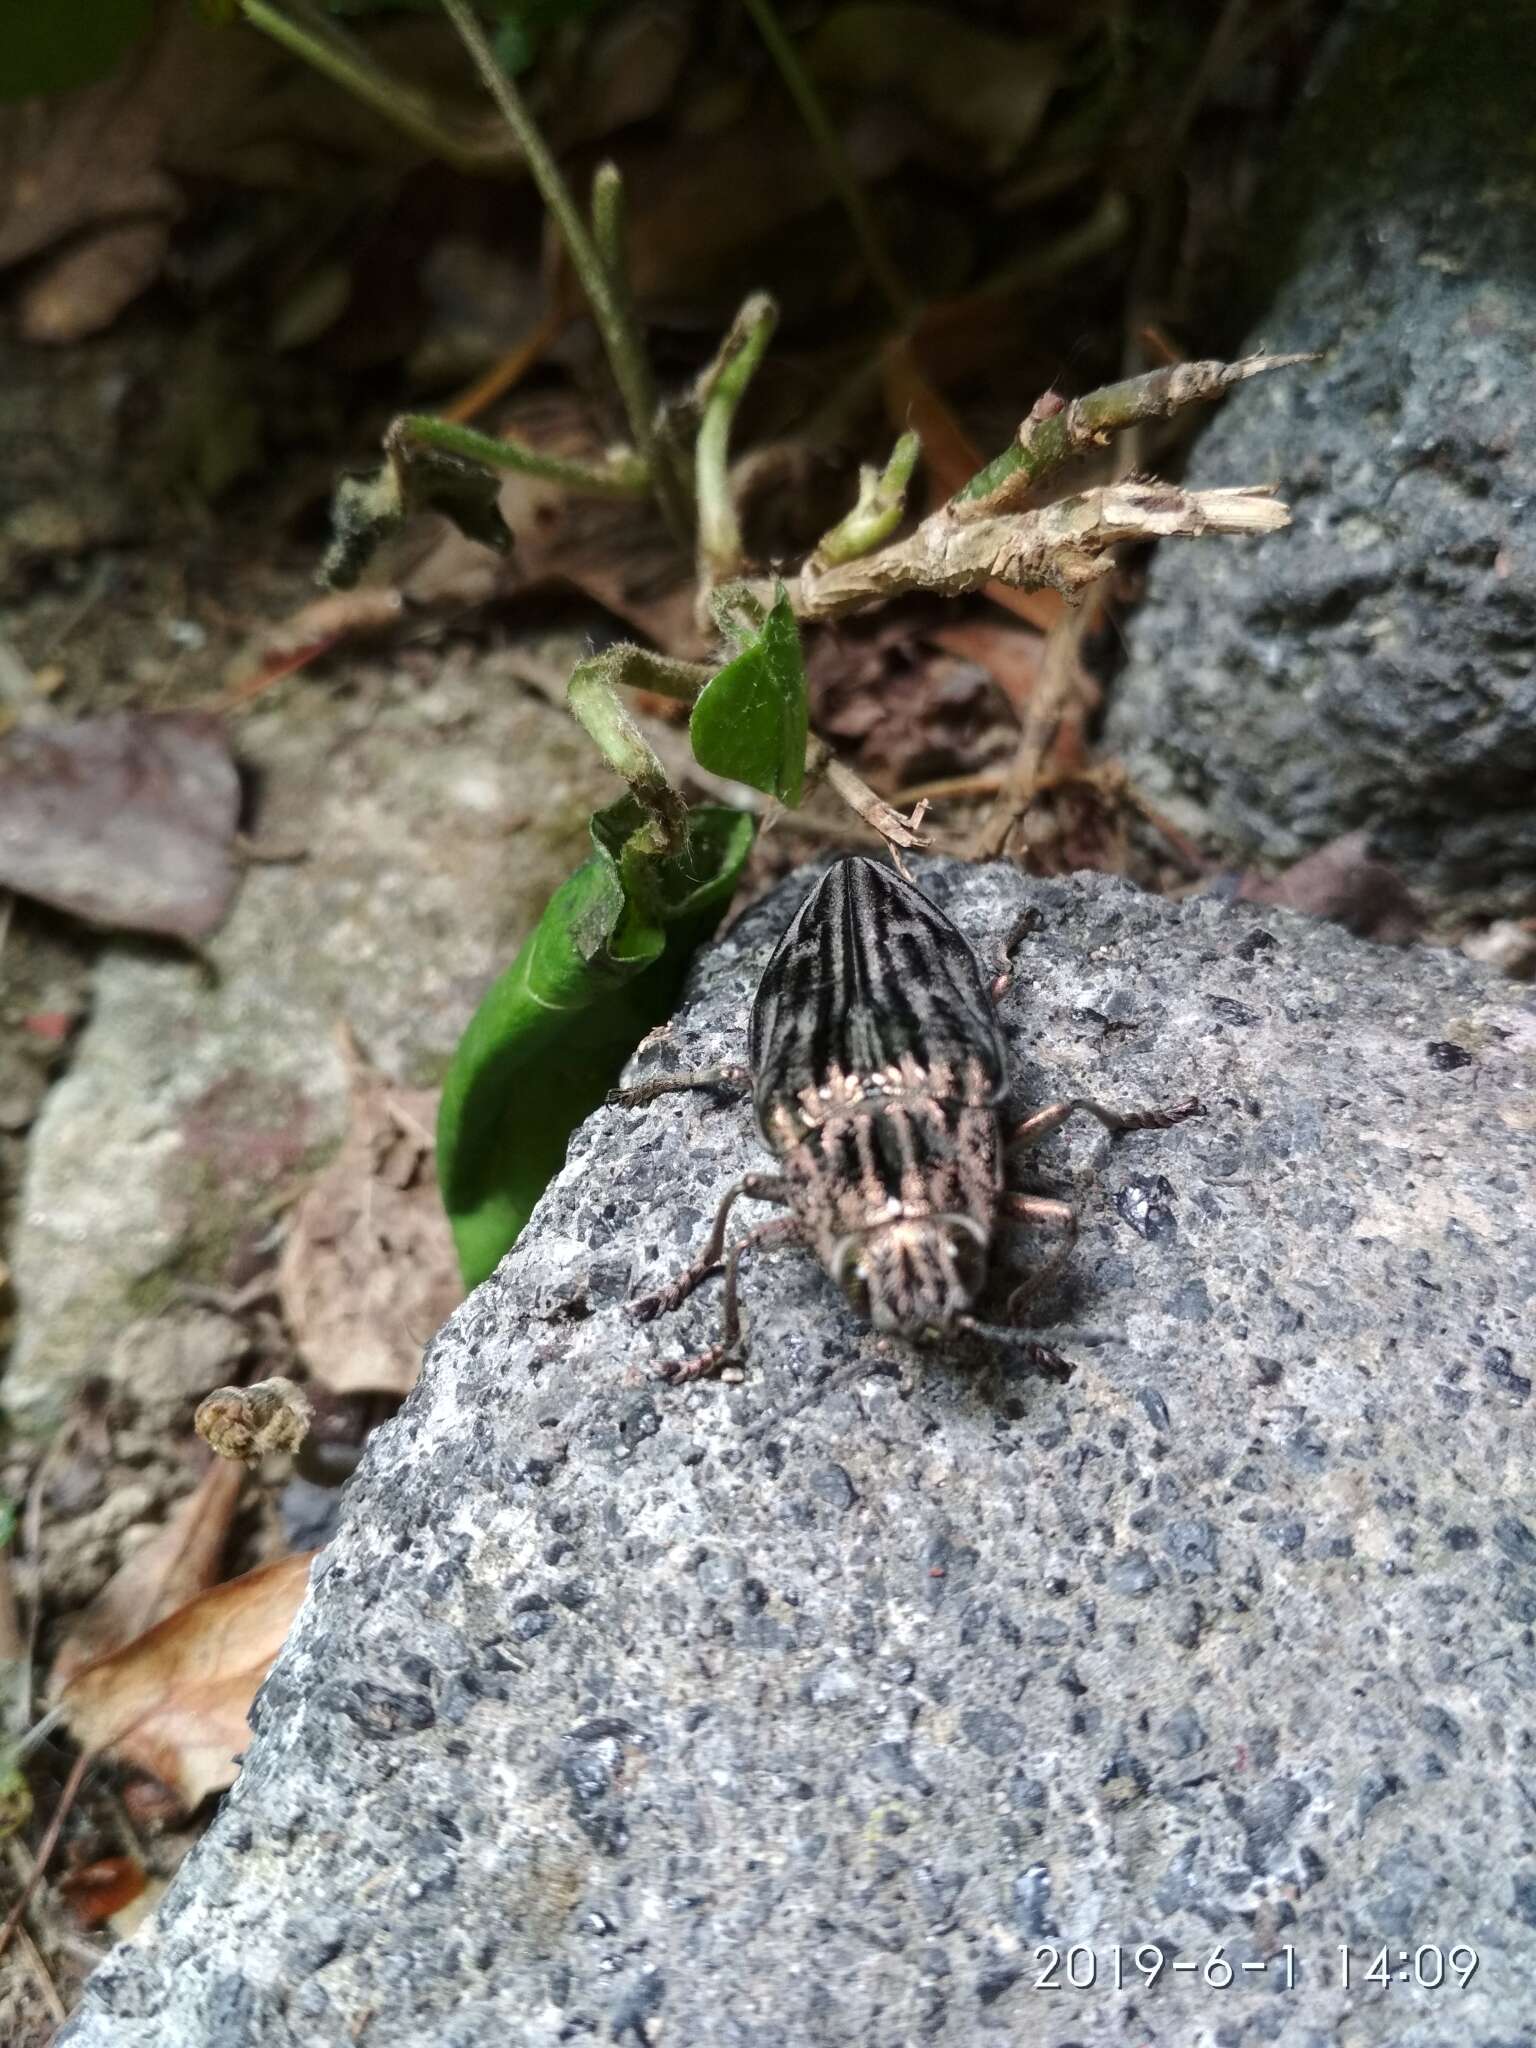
[[592, 696], [877, 514], [621, 342], [1063, 546], [894, 829], [623, 476], [738, 612], [610, 233], [1055, 430], [798, 83], [719, 531], [348, 65]]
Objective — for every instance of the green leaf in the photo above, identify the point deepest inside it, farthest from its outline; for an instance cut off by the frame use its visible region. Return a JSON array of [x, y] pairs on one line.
[[750, 721], [599, 970], [47, 46]]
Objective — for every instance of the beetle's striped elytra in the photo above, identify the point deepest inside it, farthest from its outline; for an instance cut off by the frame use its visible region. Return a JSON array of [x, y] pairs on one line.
[[879, 1073]]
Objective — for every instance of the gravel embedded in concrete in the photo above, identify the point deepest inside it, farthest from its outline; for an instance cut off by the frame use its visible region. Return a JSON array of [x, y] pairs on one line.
[[810, 1710]]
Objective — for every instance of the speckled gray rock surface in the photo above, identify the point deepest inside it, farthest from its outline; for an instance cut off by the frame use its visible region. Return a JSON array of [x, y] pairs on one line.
[[1376, 664], [808, 1711]]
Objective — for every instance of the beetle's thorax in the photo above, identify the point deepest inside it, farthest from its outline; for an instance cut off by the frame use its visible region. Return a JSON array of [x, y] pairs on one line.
[[895, 1176]]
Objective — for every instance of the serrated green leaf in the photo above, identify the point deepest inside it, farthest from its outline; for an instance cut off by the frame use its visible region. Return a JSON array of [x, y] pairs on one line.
[[549, 1039], [750, 721]]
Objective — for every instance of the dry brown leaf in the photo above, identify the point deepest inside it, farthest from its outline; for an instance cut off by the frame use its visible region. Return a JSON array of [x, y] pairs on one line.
[[701, 204], [126, 819], [131, 1917], [175, 1701], [97, 1891], [170, 1569], [1508, 944], [208, 100], [88, 285], [368, 1271], [1342, 882], [1009, 654], [314, 629], [906, 713], [990, 89]]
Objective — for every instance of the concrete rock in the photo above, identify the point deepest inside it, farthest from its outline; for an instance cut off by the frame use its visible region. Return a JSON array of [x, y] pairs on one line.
[[812, 1710], [1373, 666]]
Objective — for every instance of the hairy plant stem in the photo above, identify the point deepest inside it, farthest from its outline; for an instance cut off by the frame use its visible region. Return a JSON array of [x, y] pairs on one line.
[[343, 60], [797, 82], [624, 475], [594, 701], [720, 553], [610, 236], [877, 512], [1057, 429], [592, 694], [621, 341]]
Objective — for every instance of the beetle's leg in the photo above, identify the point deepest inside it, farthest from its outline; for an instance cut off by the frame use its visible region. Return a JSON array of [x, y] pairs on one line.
[[756, 1187], [1041, 1209], [1026, 922], [1119, 1121], [777, 1230], [719, 1080]]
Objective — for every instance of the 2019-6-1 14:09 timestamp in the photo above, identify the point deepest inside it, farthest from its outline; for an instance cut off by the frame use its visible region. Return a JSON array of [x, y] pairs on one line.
[[1082, 1968]]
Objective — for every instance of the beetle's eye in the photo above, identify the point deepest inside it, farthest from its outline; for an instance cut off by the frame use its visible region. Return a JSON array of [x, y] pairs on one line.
[[845, 1264]]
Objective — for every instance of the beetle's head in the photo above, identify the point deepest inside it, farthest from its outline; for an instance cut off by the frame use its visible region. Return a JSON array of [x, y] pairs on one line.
[[915, 1276]]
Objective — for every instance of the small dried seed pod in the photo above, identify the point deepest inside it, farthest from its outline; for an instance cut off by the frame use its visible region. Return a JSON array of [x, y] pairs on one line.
[[248, 1422]]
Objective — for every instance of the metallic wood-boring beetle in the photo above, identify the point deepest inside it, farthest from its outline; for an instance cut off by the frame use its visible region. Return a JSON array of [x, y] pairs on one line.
[[879, 1074]]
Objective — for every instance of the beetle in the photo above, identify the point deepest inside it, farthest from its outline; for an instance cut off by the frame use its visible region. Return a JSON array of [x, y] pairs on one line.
[[879, 1074]]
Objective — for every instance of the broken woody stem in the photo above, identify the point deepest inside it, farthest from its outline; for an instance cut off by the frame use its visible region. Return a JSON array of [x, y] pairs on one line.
[[1066, 546], [977, 538], [1057, 428]]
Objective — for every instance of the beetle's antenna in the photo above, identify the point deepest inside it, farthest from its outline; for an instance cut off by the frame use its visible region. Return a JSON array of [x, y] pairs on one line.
[[1046, 1361]]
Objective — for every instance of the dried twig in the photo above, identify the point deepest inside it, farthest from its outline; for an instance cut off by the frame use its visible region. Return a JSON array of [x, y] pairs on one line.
[[32, 1550], [45, 1849], [1065, 546], [945, 788], [893, 828], [1059, 683], [43, 1976]]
